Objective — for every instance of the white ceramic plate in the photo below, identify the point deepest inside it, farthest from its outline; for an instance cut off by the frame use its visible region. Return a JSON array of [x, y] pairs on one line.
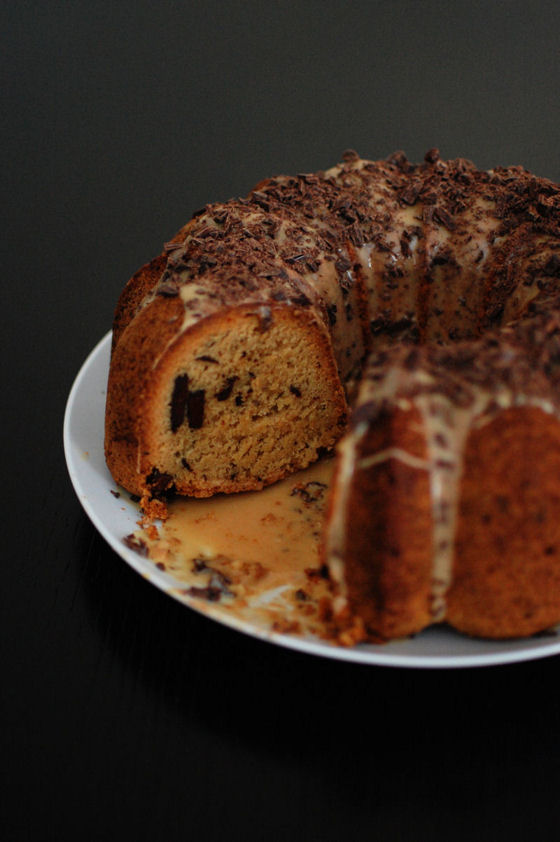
[[116, 517]]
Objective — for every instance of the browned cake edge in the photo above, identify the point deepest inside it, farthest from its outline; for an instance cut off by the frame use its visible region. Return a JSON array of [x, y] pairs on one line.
[[152, 353], [384, 537], [506, 577]]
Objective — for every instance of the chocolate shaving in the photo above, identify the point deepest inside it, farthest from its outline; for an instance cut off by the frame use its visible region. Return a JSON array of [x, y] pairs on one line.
[[168, 289], [444, 218], [137, 544], [218, 583], [158, 482], [208, 593], [311, 492], [410, 194], [342, 264]]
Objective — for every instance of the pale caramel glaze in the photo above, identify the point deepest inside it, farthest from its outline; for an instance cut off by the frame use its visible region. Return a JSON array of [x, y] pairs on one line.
[[253, 556]]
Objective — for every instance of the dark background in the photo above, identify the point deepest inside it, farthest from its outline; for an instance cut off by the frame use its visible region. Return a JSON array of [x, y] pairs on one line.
[[123, 712]]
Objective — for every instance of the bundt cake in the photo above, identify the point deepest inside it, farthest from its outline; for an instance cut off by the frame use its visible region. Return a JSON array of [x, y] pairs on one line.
[[427, 298]]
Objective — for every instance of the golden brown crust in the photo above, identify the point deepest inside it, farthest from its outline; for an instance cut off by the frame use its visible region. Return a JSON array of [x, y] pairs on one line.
[[134, 293], [142, 341], [139, 286], [388, 522], [506, 580]]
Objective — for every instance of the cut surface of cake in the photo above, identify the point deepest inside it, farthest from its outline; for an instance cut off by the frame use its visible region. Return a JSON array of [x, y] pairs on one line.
[[408, 314]]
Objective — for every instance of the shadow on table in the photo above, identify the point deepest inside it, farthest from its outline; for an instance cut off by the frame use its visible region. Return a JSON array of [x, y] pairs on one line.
[[353, 730]]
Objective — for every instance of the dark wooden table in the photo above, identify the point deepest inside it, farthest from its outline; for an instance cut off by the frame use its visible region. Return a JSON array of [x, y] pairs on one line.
[[125, 715]]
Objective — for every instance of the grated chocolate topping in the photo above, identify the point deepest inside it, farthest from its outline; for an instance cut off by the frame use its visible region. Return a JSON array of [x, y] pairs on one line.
[[466, 264]]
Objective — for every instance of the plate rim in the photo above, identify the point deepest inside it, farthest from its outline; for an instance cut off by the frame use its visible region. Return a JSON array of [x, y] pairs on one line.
[[367, 654]]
